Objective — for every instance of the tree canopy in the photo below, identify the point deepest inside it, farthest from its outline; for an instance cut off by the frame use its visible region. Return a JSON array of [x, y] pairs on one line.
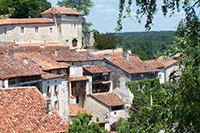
[[83, 6], [23, 8], [84, 125], [106, 41], [185, 111]]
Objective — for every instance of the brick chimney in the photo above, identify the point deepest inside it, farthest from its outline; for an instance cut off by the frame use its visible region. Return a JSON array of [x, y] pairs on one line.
[[29, 17]]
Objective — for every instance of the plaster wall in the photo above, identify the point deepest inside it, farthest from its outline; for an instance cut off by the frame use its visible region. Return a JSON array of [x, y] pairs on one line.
[[13, 33]]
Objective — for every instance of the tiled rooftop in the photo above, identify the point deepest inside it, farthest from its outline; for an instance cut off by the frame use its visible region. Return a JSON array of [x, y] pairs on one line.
[[46, 60], [14, 67], [154, 63], [14, 21], [167, 62], [108, 98], [78, 78], [23, 109], [50, 75], [61, 10], [74, 108], [77, 56], [96, 69], [132, 65]]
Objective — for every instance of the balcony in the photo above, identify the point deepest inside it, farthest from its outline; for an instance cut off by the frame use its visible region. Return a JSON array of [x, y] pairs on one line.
[[78, 91]]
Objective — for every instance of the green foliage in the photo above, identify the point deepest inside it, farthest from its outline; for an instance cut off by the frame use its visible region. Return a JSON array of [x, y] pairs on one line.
[[106, 41], [95, 34], [146, 44], [83, 6], [147, 117], [83, 125], [24, 8]]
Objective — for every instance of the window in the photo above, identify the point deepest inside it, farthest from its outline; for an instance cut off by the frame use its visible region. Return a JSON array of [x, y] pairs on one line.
[[56, 105], [51, 30], [4, 30], [22, 29], [48, 91], [56, 90], [12, 81], [36, 29], [77, 99], [116, 107], [59, 71]]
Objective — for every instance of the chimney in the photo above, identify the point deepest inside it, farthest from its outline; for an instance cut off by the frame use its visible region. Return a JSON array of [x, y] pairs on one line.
[[55, 52], [29, 17], [129, 51], [10, 53], [49, 109], [126, 55], [5, 17], [155, 58], [25, 60]]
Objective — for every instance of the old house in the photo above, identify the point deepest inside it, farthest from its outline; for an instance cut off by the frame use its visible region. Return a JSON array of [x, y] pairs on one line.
[[99, 78], [25, 109], [106, 106], [58, 24]]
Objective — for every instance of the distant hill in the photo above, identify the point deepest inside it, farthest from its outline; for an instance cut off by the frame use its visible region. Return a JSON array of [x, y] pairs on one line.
[[146, 44]]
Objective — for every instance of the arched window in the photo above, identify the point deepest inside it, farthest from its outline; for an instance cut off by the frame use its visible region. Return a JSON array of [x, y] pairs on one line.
[[74, 43]]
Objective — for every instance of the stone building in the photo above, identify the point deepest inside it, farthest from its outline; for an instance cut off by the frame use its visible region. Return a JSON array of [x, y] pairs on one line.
[[58, 24], [107, 106]]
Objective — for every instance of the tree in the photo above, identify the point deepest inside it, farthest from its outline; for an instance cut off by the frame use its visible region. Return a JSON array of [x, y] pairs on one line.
[[84, 125], [151, 107], [83, 6], [24, 8], [188, 43], [106, 41]]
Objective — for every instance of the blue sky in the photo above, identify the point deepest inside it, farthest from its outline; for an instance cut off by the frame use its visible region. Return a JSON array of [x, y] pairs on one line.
[[104, 16]]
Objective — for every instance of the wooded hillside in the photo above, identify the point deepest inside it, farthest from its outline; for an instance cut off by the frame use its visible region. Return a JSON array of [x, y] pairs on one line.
[[146, 44]]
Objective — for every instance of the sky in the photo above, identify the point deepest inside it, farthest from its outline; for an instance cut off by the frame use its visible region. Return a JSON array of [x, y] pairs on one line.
[[104, 15]]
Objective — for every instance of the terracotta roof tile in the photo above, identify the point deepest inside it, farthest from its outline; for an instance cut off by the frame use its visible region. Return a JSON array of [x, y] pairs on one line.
[[167, 62], [100, 122], [74, 108], [154, 63], [46, 60], [23, 109], [14, 21], [14, 67], [132, 65], [50, 75], [108, 98], [69, 56], [78, 78], [61, 10], [97, 69]]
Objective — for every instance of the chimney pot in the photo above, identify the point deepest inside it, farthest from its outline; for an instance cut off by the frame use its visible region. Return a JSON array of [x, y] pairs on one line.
[[29, 17]]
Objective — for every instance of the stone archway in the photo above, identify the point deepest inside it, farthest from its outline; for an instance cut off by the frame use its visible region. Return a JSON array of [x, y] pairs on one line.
[[74, 42]]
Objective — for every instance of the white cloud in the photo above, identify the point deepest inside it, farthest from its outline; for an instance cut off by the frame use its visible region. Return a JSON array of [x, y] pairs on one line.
[[99, 8]]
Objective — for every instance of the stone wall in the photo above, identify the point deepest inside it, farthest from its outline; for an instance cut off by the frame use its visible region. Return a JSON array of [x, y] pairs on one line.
[[96, 108], [13, 33], [119, 80]]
